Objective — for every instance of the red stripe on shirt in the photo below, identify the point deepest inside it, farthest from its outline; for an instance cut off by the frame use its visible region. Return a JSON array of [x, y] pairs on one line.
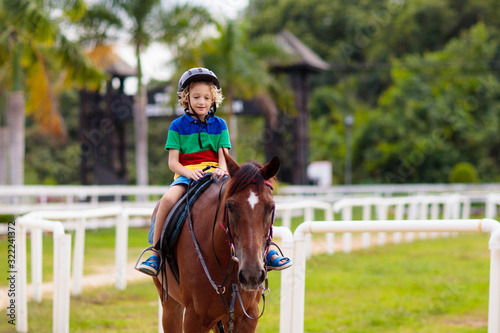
[[199, 157]]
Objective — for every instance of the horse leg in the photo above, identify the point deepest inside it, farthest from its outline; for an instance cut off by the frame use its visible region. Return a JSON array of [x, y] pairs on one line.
[[192, 323], [246, 325], [172, 311]]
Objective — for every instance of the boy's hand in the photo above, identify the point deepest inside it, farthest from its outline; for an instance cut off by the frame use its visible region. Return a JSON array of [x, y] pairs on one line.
[[219, 173], [196, 174]]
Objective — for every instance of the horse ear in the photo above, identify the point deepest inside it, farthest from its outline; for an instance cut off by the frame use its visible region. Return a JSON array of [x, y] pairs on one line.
[[232, 166], [271, 168]]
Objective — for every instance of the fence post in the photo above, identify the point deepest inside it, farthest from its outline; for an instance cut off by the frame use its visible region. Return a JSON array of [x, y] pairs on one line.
[[121, 248], [36, 263], [299, 281], [78, 256], [347, 236], [365, 236], [330, 237], [287, 277], [494, 295], [21, 281], [382, 211], [308, 216], [62, 269]]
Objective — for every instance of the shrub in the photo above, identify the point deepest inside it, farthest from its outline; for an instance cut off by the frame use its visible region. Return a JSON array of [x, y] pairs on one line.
[[463, 172]]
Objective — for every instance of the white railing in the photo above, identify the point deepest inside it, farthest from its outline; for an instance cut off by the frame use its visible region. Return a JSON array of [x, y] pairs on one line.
[[297, 250], [26, 195], [492, 203], [62, 266], [309, 227], [388, 189], [420, 207], [121, 216], [306, 209]]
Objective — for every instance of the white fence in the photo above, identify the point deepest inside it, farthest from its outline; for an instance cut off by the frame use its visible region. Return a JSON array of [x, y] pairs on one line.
[[296, 317], [62, 265], [419, 207], [306, 209], [80, 218], [492, 203], [25, 197], [297, 249]]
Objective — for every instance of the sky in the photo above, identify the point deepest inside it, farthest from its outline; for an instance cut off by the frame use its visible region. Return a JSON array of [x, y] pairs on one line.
[[156, 58]]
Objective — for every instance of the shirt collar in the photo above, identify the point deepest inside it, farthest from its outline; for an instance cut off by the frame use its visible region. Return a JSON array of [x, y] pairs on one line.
[[193, 120]]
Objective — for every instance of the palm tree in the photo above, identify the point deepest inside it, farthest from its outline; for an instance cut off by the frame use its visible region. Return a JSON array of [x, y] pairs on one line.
[[140, 13], [34, 50], [150, 22]]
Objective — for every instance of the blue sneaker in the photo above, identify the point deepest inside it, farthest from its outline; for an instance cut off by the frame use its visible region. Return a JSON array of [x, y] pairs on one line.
[[150, 266], [276, 264]]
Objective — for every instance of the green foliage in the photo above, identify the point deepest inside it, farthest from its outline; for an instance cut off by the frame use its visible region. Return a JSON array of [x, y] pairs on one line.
[[5, 218], [442, 108], [463, 172], [421, 78]]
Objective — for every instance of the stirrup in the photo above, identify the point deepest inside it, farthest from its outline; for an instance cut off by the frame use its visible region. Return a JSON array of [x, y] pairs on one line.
[[153, 249], [286, 265], [274, 244]]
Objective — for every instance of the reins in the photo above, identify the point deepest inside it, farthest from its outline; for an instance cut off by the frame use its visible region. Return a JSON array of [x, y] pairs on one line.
[[221, 289]]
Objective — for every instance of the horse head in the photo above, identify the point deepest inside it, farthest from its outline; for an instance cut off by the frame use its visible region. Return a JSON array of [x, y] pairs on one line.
[[250, 211]]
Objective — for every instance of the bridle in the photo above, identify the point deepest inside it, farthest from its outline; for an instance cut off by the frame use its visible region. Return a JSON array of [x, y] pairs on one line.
[[221, 288]]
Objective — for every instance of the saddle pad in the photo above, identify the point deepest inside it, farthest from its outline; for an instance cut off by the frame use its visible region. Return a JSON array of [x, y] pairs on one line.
[[178, 214]]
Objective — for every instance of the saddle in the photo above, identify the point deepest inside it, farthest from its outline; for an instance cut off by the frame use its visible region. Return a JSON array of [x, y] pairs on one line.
[[175, 221]]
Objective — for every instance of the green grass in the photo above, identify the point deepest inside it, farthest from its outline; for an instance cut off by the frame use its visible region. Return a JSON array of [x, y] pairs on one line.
[[426, 286]]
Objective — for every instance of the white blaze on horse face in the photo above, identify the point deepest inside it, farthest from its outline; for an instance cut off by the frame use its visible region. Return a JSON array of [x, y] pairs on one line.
[[253, 199]]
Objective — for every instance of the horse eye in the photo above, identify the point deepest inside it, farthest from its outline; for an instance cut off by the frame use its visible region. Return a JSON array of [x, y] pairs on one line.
[[270, 208], [230, 206]]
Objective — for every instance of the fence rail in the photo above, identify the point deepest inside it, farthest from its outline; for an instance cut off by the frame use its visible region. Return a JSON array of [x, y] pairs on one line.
[[71, 194]]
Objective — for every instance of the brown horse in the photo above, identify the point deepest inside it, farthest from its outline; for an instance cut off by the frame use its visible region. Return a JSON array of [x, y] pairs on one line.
[[232, 248]]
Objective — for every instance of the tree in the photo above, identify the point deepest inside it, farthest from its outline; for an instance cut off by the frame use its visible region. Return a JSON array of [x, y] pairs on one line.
[[360, 37], [35, 50], [152, 22], [442, 109], [140, 14]]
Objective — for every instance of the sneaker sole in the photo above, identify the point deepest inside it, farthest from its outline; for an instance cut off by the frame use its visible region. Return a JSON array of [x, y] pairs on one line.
[[147, 271]]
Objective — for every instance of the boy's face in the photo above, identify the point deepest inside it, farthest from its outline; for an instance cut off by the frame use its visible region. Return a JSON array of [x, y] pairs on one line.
[[200, 98]]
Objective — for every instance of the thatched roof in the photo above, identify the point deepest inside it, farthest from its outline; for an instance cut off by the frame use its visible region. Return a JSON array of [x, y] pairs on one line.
[[104, 57], [301, 56]]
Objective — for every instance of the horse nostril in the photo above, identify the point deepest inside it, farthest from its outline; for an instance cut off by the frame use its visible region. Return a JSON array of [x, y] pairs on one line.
[[263, 275], [242, 279]]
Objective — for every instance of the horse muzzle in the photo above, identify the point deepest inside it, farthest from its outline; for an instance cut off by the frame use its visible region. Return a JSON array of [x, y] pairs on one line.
[[251, 276]]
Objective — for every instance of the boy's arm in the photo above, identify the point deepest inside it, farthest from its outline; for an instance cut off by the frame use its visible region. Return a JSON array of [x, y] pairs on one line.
[[221, 170]]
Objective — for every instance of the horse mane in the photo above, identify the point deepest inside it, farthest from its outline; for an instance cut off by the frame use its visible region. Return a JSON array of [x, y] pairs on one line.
[[247, 173]]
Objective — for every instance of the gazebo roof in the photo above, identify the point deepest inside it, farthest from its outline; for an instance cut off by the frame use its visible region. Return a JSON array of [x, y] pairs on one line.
[[119, 67], [301, 56], [104, 57]]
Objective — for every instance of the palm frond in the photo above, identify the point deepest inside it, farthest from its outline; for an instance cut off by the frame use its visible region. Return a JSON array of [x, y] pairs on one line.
[[42, 103]]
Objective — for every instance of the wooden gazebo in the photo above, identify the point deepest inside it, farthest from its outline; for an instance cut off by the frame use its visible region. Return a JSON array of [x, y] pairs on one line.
[[291, 141], [103, 115]]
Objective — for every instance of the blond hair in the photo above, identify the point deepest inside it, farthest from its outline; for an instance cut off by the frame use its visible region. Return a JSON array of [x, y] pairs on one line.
[[216, 93]]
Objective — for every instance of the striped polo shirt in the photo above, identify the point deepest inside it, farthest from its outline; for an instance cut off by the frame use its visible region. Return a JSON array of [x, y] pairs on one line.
[[184, 135]]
